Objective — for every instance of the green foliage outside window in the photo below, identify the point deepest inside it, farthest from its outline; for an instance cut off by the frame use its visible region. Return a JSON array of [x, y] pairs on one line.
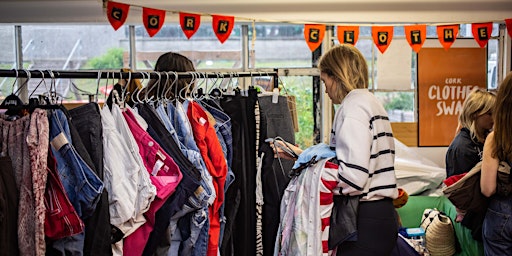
[[112, 59]]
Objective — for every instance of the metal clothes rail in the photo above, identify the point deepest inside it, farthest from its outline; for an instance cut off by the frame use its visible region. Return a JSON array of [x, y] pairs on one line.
[[95, 74]]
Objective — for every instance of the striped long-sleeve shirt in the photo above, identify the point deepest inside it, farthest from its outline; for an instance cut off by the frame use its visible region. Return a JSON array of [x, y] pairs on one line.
[[364, 144]]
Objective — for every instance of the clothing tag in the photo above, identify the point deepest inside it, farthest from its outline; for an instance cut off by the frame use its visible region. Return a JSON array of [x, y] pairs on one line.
[[161, 155], [59, 141], [198, 191], [157, 167], [202, 121], [275, 95]]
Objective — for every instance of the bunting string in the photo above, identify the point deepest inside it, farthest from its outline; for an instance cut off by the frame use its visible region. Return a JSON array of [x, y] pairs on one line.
[[382, 35]]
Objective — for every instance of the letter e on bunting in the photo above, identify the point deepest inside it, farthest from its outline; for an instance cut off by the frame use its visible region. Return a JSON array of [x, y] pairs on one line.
[[117, 13], [482, 32], [508, 22], [447, 35], [153, 20], [416, 36], [189, 23], [382, 36], [347, 34], [222, 26], [314, 34]]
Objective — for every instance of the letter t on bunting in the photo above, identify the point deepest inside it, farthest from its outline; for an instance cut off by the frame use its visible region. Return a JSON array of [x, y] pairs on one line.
[[117, 13], [222, 26], [153, 20], [482, 32], [447, 35], [347, 34], [314, 34], [382, 36], [416, 36], [189, 23]]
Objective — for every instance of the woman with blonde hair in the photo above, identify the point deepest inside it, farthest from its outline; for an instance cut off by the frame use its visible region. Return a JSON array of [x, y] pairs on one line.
[[475, 122]]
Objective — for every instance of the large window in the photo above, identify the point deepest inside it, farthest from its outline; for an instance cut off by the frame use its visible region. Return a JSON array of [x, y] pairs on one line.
[[7, 59]]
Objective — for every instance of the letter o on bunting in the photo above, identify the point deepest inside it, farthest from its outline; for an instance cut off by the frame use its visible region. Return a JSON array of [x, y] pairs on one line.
[[382, 36], [153, 20]]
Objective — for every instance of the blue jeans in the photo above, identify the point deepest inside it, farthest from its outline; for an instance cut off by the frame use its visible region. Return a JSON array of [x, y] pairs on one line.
[[82, 186], [497, 227]]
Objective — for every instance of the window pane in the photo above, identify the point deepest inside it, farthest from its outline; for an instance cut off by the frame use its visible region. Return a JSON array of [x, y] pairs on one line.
[[302, 88], [280, 46], [71, 47], [7, 59], [203, 48], [399, 105]]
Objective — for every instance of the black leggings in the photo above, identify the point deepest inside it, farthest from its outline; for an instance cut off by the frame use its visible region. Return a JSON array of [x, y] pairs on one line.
[[377, 230]]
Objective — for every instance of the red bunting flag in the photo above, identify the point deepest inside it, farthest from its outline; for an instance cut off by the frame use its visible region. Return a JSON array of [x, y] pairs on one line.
[[382, 36], [447, 35], [482, 32], [508, 22], [189, 23], [153, 20], [117, 13], [416, 36], [348, 34], [314, 34], [222, 26]]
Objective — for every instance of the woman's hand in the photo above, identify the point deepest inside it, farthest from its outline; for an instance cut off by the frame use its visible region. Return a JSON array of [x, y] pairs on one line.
[[285, 150]]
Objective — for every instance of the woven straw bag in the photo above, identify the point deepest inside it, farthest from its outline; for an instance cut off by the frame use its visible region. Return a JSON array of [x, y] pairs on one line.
[[439, 233]]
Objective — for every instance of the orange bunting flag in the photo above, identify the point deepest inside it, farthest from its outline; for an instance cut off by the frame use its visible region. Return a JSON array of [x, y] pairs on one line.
[[222, 26], [447, 35], [348, 34], [508, 22], [189, 23], [482, 32], [416, 36], [153, 20], [117, 13], [382, 36], [314, 34]]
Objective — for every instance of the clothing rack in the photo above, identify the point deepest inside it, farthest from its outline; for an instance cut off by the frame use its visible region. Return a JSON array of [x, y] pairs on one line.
[[107, 74]]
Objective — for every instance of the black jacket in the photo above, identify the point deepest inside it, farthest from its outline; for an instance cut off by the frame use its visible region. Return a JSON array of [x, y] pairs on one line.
[[463, 153]]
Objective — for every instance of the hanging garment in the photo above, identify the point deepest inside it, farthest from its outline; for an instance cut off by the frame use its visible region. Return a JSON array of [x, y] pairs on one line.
[[306, 210], [164, 174], [87, 121], [130, 192], [189, 184], [240, 229], [61, 218], [188, 228], [211, 150], [8, 209], [13, 144], [275, 121]]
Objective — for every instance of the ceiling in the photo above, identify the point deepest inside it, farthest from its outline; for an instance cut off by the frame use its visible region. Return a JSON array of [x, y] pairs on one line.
[[362, 12]]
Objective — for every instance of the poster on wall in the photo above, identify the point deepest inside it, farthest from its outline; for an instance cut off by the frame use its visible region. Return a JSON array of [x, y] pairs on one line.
[[445, 78]]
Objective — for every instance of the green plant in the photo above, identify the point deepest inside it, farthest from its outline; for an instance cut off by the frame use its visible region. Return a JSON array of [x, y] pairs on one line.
[[401, 101], [112, 59]]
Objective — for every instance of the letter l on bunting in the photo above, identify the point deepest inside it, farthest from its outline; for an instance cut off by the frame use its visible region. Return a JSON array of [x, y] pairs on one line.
[[348, 34]]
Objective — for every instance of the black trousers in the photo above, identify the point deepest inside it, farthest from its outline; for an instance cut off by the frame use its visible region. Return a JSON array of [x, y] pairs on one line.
[[8, 209]]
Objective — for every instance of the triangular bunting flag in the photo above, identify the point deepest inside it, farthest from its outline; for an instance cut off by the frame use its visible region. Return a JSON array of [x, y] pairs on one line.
[[447, 35], [314, 34], [416, 36], [348, 34], [153, 20], [382, 36], [117, 13], [222, 26], [189, 23], [482, 32], [508, 22]]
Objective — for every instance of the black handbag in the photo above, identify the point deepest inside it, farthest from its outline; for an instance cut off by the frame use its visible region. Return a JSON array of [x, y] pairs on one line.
[[343, 220]]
